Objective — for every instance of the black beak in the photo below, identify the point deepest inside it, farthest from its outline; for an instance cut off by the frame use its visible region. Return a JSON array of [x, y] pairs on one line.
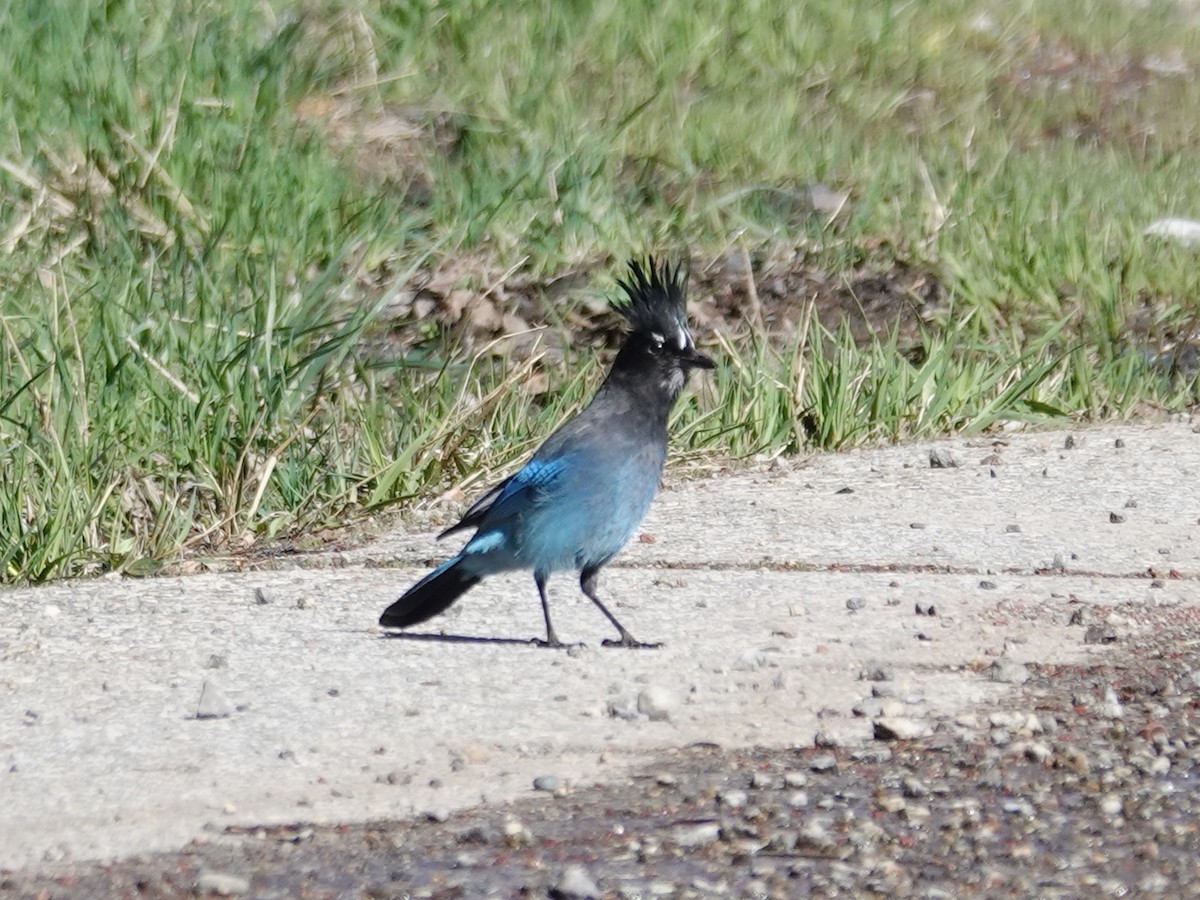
[[693, 359]]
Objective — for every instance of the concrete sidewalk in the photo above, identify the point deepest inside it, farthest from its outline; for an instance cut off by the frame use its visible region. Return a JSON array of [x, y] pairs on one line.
[[775, 591]]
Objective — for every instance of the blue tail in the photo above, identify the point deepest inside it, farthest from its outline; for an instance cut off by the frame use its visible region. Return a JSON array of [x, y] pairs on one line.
[[431, 595]]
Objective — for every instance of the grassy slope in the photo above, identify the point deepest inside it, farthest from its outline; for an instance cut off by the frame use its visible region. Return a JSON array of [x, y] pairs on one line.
[[200, 235]]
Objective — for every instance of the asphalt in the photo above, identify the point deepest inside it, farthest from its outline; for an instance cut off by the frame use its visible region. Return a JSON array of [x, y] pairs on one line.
[[780, 592]]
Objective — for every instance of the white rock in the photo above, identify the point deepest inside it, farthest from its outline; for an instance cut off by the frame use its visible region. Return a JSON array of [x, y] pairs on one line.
[[699, 834], [223, 884], [575, 882], [1185, 231], [899, 728], [657, 703]]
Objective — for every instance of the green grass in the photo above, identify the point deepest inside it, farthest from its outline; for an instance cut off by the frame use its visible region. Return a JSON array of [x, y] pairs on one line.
[[215, 215]]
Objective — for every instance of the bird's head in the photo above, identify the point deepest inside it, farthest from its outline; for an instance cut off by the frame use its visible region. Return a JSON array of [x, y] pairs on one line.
[[659, 341]]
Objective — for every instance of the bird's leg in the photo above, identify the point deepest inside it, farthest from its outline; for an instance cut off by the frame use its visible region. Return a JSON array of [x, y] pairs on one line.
[[587, 583], [551, 638]]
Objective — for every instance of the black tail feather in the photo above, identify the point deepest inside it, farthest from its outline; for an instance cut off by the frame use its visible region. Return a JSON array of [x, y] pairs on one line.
[[431, 595]]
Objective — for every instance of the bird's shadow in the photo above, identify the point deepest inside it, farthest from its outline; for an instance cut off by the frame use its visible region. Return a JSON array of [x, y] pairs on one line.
[[460, 638]]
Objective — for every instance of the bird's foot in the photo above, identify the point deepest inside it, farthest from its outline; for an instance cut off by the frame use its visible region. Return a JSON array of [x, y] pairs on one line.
[[555, 644], [630, 642]]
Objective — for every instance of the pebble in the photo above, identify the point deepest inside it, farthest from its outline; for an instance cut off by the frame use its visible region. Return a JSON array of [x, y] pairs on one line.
[[825, 762], [754, 658], [1111, 707], [657, 703], [735, 798], [212, 703], [762, 781], [1008, 671], [913, 788], [877, 672], [941, 458], [696, 834], [224, 884], [575, 883], [900, 728], [550, 783], [1037, 752], [516, 834]]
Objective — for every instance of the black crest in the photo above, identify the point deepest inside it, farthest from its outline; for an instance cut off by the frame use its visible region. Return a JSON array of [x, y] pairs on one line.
[[657, 298]]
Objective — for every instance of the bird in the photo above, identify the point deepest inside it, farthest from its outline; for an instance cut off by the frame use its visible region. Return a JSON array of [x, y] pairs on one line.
[[585, 490]]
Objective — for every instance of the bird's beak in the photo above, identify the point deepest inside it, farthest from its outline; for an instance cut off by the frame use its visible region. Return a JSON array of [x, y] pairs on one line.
[[696, 360]]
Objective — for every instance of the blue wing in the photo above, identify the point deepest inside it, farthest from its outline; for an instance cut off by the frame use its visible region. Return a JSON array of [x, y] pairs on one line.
[[518, 492]]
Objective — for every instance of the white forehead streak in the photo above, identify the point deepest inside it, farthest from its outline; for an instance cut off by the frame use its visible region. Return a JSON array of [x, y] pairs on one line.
[[681, 337]]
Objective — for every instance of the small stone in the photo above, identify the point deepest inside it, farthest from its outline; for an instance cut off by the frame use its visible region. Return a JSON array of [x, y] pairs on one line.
[[1070, 443], [891, 803], [1119, 443], [795, 779], [924, 609], [762, 781], [223, 884], [913, 788], [213, 704], [855, 603], [575, 884], [696, 834], [1076, 760], [549, 783], [216, 662], [877, 672], [656, 703], [815, 837], [1037, 752], [825, 741], [798, 799], [1111, 707], [1100, 634], [1111, 805], [1008, 671], [1116, 518], [750, 660], [825, 762], [516, 834], [1012, 529], [734, 798], [941, 458], [899, 728], [306, 603], [260, 597], [917, 813], [987, 585]]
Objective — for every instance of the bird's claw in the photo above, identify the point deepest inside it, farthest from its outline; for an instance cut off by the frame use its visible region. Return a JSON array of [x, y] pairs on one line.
[[556, 644]]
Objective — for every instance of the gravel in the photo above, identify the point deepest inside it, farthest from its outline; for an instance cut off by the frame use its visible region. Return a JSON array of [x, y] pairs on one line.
[[1051, 796]]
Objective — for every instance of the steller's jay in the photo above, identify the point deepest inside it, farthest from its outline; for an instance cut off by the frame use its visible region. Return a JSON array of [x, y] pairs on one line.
[[580, 497]]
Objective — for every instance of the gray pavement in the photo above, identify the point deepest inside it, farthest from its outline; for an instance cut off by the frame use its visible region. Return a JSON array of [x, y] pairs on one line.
[[773, 588]]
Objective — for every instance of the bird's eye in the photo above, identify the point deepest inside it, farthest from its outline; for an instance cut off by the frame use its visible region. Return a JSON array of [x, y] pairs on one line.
[[658, 339]]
